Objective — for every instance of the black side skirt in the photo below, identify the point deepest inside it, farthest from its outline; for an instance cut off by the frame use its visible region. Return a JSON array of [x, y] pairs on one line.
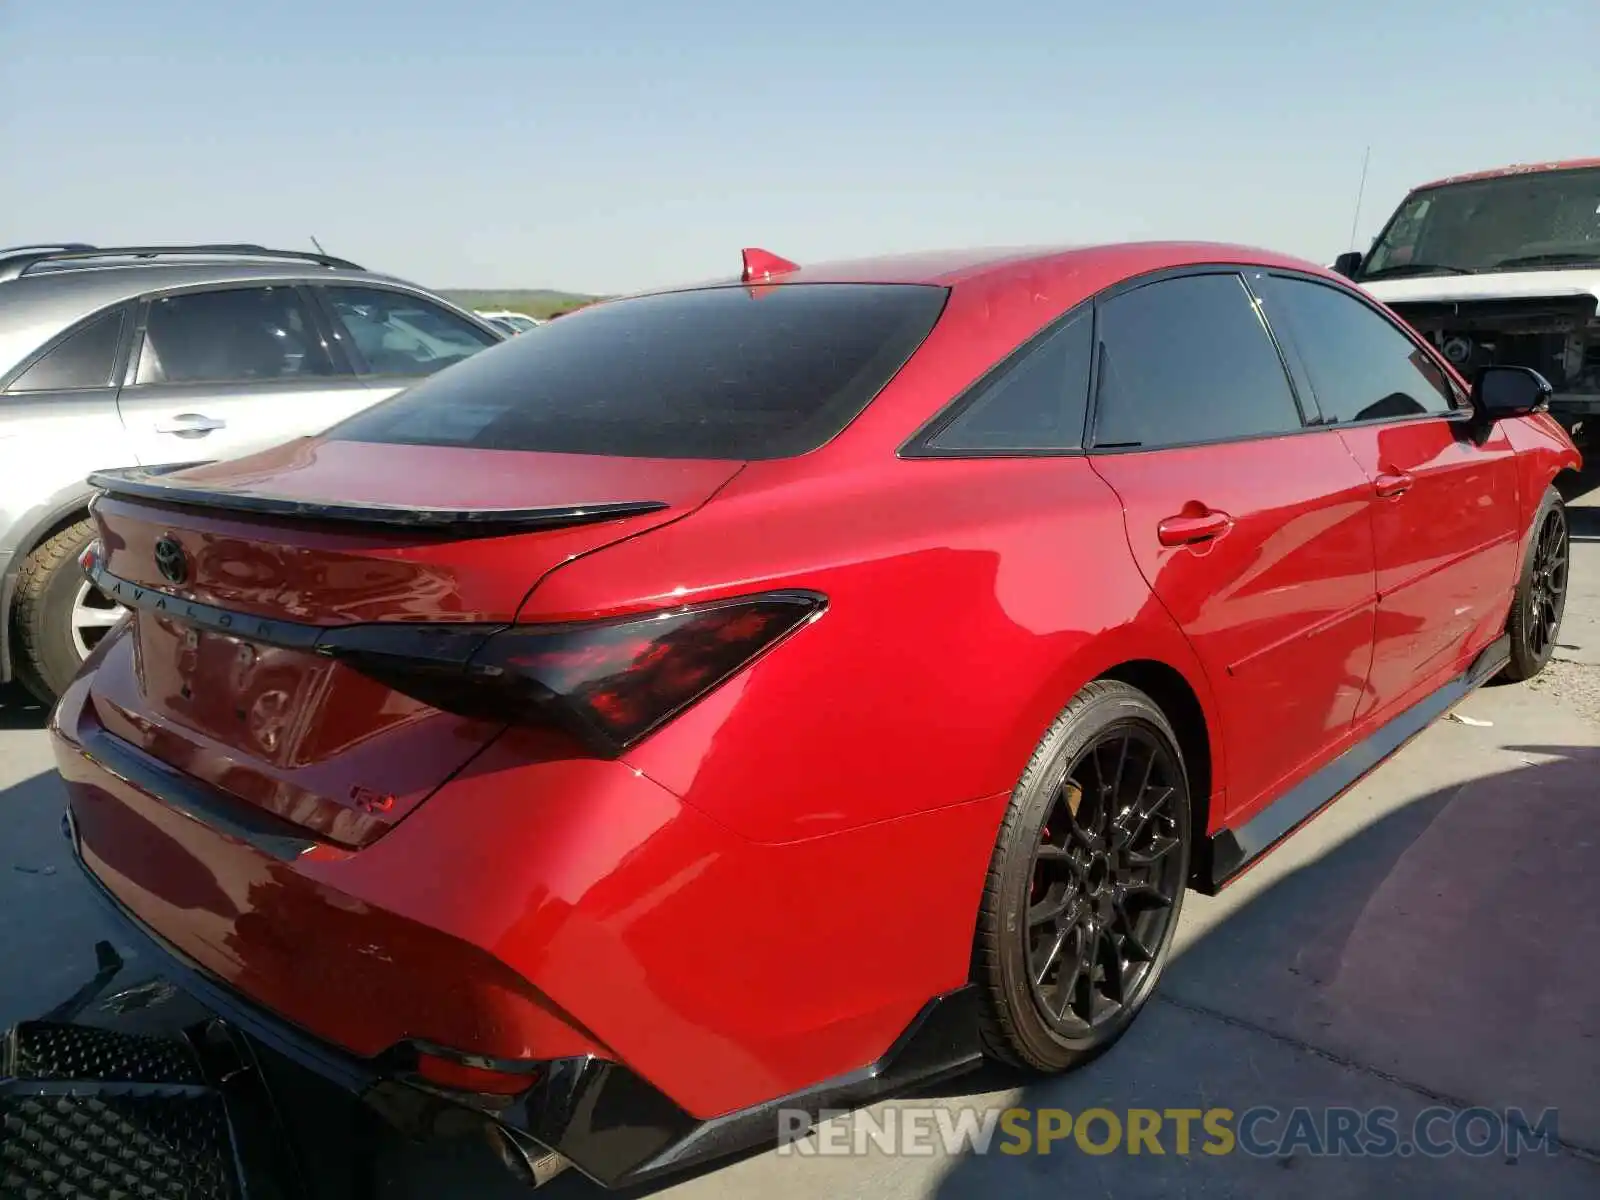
[[1233, 850]]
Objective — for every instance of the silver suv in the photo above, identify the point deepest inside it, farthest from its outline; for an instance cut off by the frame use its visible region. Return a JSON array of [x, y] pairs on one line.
[[167, 355]]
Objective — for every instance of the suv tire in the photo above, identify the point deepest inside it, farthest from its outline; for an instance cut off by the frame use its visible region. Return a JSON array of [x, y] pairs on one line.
[[48, 589]]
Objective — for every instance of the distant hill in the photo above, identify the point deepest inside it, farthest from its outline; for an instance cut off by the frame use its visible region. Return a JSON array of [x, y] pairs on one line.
[[536, 302]]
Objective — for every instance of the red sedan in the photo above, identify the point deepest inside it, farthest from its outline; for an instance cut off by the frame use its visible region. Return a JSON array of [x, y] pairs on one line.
[[775, 693]]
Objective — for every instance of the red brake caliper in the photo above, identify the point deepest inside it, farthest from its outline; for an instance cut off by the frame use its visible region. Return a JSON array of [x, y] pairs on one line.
[[1033, 884]]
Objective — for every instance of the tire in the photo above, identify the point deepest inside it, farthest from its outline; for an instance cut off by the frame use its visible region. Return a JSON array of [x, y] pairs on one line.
[[1040, 1011], [1541, 598], [48, 589]]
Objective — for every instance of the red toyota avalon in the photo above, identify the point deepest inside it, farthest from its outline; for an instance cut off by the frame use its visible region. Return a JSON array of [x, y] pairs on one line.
[[775, 693]]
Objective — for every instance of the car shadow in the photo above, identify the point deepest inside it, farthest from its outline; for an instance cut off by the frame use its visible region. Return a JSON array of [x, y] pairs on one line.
[[1389, 971], [19, 709], [50, 924], [1438, 952]]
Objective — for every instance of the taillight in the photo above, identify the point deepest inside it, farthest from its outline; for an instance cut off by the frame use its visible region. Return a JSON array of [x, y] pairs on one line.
[[610, 683], [91, 556]]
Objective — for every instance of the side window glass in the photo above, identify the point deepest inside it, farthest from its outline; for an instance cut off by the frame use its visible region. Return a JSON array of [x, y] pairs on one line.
[[239, 335], [1038, 404], [399, 334], [1188, 360], [1362, 368], [83, 360]]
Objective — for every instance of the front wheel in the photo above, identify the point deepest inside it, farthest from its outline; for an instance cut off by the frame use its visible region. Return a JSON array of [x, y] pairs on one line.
[[1086, 882], [1541, 598]]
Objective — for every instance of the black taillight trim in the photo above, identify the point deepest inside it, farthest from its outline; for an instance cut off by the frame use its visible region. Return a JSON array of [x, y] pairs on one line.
[[268, 631], [583, 721], [470, 670], [450, 667]]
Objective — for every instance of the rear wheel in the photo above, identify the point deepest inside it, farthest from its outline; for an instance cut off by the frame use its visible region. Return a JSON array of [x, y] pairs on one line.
[[59, 617], [1541, 598], [1086, 882]]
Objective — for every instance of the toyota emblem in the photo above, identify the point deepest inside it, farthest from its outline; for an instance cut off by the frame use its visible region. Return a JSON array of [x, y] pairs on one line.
[[171, 561]]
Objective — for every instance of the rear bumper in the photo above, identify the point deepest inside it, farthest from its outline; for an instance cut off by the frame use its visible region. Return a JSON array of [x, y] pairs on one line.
[[244, 897], [354, 1075], [597, 1115], [663, 983]]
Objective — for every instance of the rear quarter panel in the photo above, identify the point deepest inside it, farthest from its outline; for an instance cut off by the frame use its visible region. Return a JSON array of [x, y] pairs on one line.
[[967, 602], [49, 443]]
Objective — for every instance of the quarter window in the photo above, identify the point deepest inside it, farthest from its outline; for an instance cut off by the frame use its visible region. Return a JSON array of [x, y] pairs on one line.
[[1362, 368], [1037, 403], [399, 334], [240, 335], [1188, 360], [83, 360]]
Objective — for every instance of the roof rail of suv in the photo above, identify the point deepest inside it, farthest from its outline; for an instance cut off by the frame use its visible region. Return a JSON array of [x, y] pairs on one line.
[[6, 251], [19, 260]]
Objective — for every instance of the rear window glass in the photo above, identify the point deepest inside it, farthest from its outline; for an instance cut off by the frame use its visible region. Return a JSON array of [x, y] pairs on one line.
[[727, 372]]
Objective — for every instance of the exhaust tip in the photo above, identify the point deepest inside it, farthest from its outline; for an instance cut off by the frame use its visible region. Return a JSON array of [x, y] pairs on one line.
[[531, 1162]]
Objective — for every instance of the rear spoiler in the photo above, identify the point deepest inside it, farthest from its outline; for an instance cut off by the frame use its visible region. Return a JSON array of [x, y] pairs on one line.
[[158, 487]]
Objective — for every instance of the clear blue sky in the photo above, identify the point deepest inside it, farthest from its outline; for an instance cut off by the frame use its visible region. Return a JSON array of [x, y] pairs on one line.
[[619, 144]]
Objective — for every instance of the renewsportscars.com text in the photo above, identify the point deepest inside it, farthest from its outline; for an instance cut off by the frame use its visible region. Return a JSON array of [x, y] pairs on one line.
[[1261, 1131]]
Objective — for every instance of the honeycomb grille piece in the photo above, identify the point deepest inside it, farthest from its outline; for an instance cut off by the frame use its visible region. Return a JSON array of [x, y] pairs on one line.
[[45, 1050], [109, 1148]]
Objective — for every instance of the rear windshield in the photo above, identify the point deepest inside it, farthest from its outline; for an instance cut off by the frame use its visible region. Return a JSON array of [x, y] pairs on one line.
[[724, 372]]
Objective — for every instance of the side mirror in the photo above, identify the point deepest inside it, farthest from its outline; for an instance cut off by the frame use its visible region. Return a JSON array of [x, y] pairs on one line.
[[1501, 392], [1348, 263]]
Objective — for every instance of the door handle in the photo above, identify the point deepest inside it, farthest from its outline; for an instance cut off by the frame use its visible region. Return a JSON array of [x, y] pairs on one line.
[[1395, 483], [1186, 530], [191, 425]]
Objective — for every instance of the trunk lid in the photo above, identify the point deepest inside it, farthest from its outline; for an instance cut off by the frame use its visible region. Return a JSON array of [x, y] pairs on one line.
[[234, 570]]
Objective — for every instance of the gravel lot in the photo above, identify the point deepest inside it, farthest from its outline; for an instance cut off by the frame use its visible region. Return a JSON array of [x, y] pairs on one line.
[[1426, 941]]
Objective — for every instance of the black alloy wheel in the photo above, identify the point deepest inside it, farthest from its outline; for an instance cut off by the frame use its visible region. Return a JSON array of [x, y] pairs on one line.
[[1086, 883], [1105, 880], [1547, 597], [1541, 598]]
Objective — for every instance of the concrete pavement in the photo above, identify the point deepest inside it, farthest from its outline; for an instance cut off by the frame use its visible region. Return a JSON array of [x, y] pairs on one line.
[[1428, 941]]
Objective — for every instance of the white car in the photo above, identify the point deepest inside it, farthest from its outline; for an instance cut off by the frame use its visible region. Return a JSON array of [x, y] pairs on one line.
[[510, 321], [1501, 266], [156, 356]]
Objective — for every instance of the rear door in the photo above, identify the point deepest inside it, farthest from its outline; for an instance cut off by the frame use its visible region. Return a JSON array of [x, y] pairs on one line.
[[395, 337], [58, 421], [1445, 516], [221, 372], [58, 412], [1252, 529]]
